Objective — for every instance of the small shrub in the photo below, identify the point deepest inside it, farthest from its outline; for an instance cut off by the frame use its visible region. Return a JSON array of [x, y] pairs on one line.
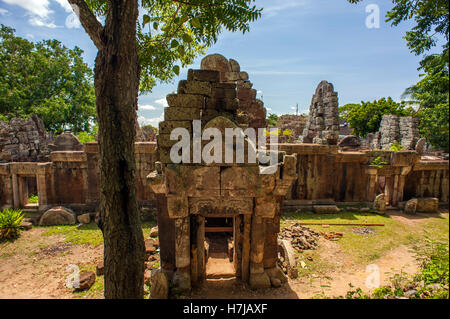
[[33, 199], [397, 147], [10, 224], [378, 162]]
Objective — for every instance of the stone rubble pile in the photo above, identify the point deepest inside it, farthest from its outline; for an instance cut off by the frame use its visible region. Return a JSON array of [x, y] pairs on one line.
[[24, 141], [301, 238], [322, 126]]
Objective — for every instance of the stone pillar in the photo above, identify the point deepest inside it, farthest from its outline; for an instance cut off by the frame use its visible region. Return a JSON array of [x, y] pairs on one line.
[[237, 238], [41, 182], [15, 189], [371, 183], [198, 261], [258, 278], [246, 248], [182, 278]]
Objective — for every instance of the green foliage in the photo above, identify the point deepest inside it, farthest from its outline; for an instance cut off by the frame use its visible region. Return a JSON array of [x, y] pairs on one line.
[[85, 137], [378, 162], [396, 147], [10, 224], [172, 33], [47, 79], [272, 119], [33, 199], [431, 282], [366, 117], [431, 94]]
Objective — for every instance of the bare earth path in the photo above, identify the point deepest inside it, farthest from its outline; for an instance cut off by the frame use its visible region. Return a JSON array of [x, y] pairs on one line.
[[35, 266]]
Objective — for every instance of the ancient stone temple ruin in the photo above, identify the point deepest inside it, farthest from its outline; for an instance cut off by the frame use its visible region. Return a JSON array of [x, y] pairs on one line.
[[207, 209], [322, 126], [24, 140], [198, 203], [395, 129]]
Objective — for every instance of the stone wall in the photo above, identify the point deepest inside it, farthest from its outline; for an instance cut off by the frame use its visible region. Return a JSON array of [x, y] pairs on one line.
[[24, 141], [322, 126], [295, 123]]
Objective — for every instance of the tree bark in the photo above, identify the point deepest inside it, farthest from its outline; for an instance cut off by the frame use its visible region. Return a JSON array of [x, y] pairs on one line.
[[117, 74]]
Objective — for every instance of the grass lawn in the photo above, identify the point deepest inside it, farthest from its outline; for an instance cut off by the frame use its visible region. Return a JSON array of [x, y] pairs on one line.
[[363, 249]]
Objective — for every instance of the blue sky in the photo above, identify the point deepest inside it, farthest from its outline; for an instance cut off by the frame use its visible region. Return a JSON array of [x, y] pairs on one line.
[[289, 50]]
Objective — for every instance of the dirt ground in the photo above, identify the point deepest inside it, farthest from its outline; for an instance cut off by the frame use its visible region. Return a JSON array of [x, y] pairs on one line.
[[35, 266]]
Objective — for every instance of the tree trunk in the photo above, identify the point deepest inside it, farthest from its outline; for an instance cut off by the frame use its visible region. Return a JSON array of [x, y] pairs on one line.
[[117, 74]]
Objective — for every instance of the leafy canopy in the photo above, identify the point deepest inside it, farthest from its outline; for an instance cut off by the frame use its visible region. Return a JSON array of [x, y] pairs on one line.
[[366, 117], [171, 33], [431, 93], [47, 79]]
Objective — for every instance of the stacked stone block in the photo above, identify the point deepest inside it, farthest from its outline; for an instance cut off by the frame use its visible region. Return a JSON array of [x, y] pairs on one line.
[[24, 140], [403, 130], [250, 111], [322, 126]]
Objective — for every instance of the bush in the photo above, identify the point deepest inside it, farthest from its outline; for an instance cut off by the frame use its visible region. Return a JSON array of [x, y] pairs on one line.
[[430, 282], [33, 199], [10, 224]]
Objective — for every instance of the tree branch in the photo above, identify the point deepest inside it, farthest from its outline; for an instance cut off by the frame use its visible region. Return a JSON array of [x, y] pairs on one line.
[[88, 21]]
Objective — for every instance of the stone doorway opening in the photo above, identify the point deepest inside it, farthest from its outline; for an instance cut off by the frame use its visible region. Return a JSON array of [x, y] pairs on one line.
[[219, 242]]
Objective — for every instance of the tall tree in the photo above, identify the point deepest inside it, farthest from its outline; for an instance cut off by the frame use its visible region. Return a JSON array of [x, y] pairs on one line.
[[430, 94], [366, 117], [131, 54], [47, 79]]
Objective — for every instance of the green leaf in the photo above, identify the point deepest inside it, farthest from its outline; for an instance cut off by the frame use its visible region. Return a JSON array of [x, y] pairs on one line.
[[181, 50], [196, 22], [173, 44], [176, 69], [146, 20], [186, 38]]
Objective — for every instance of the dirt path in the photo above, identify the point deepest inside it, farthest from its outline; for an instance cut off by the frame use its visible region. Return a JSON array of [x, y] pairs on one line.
[[334, 284], [34, 266]]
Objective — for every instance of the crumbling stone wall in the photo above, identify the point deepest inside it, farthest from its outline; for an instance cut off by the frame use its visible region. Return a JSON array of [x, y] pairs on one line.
[[403, 130], [250, 110], [24, 141], [322, 126], [294, 123]]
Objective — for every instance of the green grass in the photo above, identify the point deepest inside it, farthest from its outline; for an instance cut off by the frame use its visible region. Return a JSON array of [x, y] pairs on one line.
[[370, 247], [86, 234]]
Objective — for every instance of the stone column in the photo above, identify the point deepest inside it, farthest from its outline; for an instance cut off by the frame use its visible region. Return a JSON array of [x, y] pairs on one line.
[[15, 189], [246, 248], [258, 278], [371, 183], [182, 277], [41, 182]]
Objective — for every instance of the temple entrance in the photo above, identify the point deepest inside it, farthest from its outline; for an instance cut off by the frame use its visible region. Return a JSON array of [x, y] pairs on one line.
[[219, 248]]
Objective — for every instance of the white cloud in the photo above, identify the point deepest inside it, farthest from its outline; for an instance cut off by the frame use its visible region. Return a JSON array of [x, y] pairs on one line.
[[142, 120], [65, 4], [39, 22], [162, 102], [259, 92], [35, 7], [147, 107], [280, 6], [72, 21], [4, 12], [268, 109]]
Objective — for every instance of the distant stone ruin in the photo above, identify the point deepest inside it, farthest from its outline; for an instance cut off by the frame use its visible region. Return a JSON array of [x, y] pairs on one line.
[[403, 130], [24, 141], [294, 123], [322, 126]]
